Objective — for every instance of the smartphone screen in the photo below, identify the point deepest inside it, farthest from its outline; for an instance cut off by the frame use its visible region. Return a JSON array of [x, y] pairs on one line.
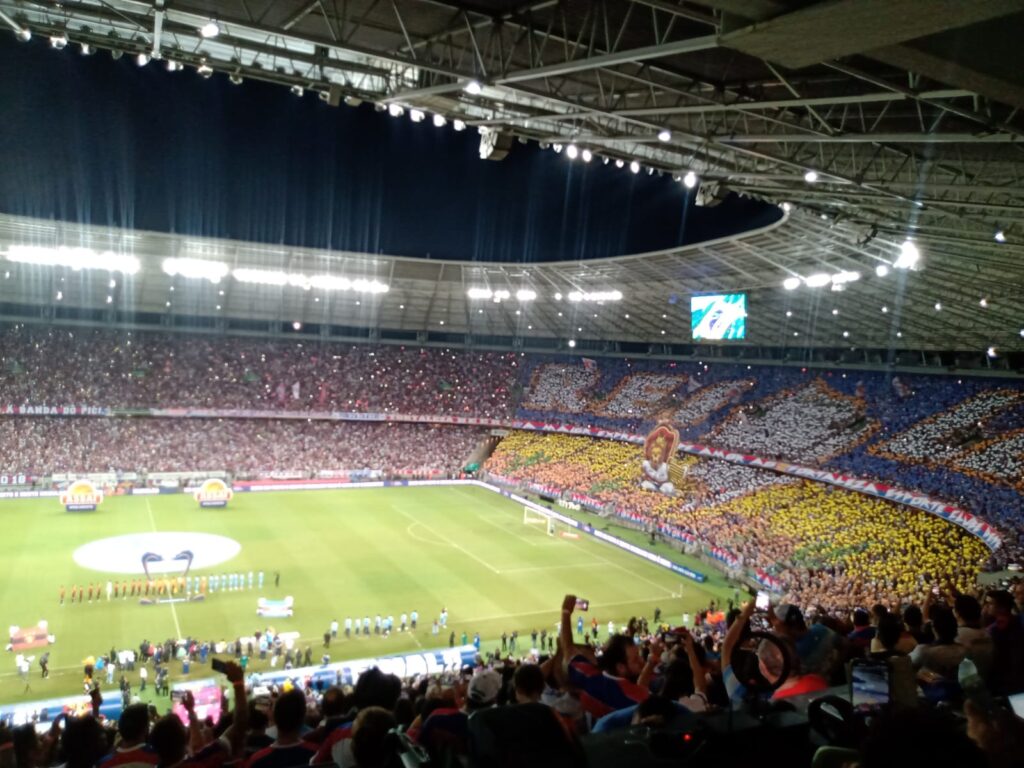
[[207, 696], [762, 601], [582, 605], [869, 684], [1017, 704]]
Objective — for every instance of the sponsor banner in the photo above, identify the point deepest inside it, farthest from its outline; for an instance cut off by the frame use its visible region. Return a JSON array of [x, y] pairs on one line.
[[97, 478], [175, 476], [81, 496], [55, 410], [214, 492], [767, 581], [574, 505], [28, 494], [146, 491]]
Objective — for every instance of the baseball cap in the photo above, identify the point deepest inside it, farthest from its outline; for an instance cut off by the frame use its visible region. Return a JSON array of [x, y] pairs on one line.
[[484, 687]]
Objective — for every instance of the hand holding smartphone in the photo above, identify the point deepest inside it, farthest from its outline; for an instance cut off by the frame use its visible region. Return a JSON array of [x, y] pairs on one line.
[[763, 601], [582, 605]]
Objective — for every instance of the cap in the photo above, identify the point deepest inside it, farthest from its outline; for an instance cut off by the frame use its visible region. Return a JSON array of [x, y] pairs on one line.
[[484, 687]]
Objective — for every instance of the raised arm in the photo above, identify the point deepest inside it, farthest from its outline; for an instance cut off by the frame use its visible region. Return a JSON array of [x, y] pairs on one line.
[[732, 637], [700, 680]]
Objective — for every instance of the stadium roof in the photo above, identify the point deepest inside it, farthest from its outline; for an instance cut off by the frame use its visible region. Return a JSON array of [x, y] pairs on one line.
[[910, 119]]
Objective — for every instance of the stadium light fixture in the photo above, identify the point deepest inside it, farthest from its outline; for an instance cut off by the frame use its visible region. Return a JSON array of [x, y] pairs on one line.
[[992, 352], [587, 155], [811, 176], [210, 29], [417, 115], [198, 269], [110, 299], [298, 90], [909, 255], [882, 270], [634, 167], [205, 71], [473, 88], [791, 283], [439, 121], [557, 148], [235, 79], [595, 296], [395, 110], [296, 326], [664, 135], [938, 306], [885, 310], [174, 66], [525, 294], [789, 313], [75, 258], [86, 50], [846, 334], [690, 180], [572, 151], [841, 278], [818, 280], [899, 334], [983, 303], [999, 236], [142, 59], [459, 125], [60, 295], [620, 163], [479, 293], [24, 34], [59, 42], [307, 282], [787, 207], [572, 343]]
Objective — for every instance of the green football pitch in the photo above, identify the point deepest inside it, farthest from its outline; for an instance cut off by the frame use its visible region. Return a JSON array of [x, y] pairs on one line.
[[339, 553]]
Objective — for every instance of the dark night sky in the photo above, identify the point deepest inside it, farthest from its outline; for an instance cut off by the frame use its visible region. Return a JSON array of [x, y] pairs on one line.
[[106, 142]]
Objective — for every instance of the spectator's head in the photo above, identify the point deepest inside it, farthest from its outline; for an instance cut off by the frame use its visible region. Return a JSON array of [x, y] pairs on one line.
[[483, 690], [333, 703], [913, 618], [877, 612], [861, 618], [967, 610], [621, 658], [83, 742], [788, 620], [944, 624], [377, 689], [372, 744], [26, 746], [529, 683], [890, 628], [918, 737], [655, 712], [169, 739], [133, 724], [289, 713]]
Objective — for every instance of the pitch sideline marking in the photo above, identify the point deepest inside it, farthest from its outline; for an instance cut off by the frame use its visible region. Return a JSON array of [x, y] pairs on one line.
[[174, 611], [448, 541], [527, 569]]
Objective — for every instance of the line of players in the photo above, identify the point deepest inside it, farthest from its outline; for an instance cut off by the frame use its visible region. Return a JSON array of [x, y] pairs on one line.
[[382, 625], [163, 586]]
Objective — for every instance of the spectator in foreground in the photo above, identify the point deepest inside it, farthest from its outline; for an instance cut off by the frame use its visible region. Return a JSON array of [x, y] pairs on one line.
[[288, 748], [372, 743], [133, 751]]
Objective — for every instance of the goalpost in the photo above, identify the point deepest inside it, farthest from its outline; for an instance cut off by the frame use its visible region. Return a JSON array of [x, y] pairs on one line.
[[552, 525]]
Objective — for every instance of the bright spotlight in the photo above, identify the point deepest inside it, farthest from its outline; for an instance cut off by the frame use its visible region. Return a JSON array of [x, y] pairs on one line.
[[634, 167], [205, 71], [787, 207], [587, 155], [938, 306], [210, 29], [296, 326], [59, 42], [818, 280], [459, 125], [572, 343], [572, 151], [558, 148], [690, 180], [86, 49], [235, 79], [298, 90], [992, 352], [885, 310], [473, 88], [882, 270], [142, 59], [983, 303], [416, 115], [525, 294], [909, 255], [439, 121], [620, 163], [395, 110], [999, 236], [791, 283], [811, 176], [664, 135], [24, 34]]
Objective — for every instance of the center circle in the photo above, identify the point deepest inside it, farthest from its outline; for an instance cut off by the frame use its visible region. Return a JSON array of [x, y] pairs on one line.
[[166, 551]]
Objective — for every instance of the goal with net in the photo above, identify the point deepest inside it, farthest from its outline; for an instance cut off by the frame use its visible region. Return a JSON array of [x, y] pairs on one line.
[[551, 524]]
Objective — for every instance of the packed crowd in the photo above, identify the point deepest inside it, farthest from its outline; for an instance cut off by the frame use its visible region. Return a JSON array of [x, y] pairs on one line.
[[107, 368], [807, 424], [824, 546], [562, 388], [638, 394], [572, 705], [699, 404], [37, 446]]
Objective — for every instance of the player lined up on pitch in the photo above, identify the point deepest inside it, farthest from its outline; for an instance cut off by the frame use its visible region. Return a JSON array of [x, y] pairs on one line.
[[162, 586]]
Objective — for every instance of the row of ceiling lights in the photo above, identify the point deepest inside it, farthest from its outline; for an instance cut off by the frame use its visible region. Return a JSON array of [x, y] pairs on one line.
[[909, 258]]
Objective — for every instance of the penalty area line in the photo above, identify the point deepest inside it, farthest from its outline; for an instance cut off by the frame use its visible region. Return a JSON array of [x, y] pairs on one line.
[[174, 611], [447, 541]]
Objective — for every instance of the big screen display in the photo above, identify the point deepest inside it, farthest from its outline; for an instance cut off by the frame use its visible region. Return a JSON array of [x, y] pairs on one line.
[[719, 316]]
